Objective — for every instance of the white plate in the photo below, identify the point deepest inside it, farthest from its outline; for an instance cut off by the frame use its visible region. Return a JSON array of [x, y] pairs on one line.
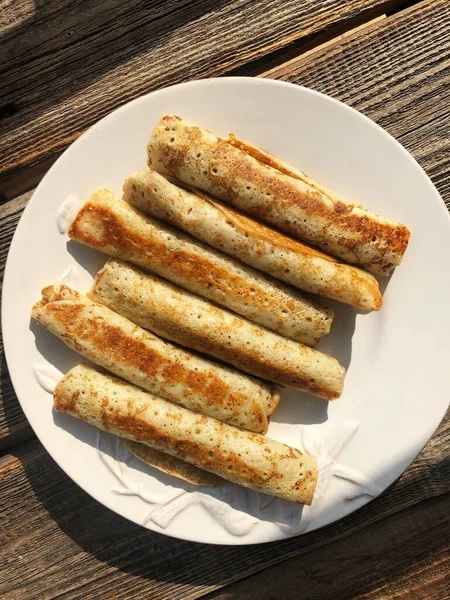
[[397, 385]]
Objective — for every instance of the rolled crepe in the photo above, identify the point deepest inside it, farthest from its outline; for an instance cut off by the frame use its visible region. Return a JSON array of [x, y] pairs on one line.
[[245, 458], [179, 316], [248, 240], [270, 190], [171, 465], [115, 343], [111, 225]]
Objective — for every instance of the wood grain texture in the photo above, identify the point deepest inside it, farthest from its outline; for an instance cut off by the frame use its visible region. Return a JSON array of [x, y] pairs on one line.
[[397, 72], [13, 425], [430, 146], [59, 543], [405, 555], [95, 56]]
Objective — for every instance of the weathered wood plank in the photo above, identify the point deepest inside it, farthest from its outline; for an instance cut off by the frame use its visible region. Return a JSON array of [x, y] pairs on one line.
[[396, 71], [58, 542], [406, 555], [13, 425], [95, 56], [430, 146]]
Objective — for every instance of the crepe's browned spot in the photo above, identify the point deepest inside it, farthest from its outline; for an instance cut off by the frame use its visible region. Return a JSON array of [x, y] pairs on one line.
[[260, 155], [65, 313], [63, 402], [170, 118]]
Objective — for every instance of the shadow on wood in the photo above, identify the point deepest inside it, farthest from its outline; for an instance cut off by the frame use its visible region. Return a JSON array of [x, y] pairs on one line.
[[401, 556]]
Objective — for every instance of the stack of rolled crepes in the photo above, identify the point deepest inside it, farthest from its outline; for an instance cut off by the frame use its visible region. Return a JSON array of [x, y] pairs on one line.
[[206, 278]]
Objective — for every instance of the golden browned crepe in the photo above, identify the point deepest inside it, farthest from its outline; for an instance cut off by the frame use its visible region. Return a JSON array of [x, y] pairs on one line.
[[182, 317], [241, 457], [115, 343], [252, 242], [261, 185], [172, 465], [111, 225]]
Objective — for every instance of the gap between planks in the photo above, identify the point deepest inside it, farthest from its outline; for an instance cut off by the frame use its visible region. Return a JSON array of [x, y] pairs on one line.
[[314, 42], [285, 66], [278, 71]]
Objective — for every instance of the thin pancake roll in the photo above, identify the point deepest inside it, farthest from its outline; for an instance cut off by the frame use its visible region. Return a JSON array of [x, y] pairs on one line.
[[113, 226], [179, 316], [241, 457], [252, 242], [259, 184], [115, 343]]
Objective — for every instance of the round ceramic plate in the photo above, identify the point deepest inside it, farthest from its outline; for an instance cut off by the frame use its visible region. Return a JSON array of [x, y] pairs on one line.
[[396, 389]]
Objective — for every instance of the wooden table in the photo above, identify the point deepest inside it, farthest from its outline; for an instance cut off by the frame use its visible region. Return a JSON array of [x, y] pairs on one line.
[[65, 64]]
